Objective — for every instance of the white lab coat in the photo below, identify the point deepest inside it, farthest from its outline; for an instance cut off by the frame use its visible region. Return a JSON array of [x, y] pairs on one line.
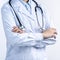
[[21, 46]]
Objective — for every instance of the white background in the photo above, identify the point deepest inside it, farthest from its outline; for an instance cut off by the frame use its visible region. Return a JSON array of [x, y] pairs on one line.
[[53, 7]]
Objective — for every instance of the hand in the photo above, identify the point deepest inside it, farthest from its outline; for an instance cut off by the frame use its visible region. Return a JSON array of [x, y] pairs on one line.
[[49, 33], [17, 30]]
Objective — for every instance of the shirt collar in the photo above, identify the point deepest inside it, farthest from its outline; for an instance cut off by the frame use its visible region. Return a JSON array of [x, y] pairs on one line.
[[25, 2]]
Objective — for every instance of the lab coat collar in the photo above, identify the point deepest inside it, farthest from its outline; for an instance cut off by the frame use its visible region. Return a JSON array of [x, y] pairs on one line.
[[22, 9]]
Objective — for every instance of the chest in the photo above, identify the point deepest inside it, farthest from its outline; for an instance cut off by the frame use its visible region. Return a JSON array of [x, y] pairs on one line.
[[31, 22]]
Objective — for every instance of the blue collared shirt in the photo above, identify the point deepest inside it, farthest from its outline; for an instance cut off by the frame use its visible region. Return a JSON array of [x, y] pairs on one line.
[[27, 5]]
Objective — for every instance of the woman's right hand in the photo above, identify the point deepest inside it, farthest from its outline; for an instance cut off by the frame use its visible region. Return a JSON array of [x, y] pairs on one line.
[[49, 33], [17, 30]]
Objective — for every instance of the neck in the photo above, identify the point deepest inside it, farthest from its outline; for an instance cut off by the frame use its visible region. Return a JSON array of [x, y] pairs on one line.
[[26, 1]]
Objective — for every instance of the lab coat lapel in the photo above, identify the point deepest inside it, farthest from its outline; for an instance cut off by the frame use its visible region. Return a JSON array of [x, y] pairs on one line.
[[19, 8], [24, 11]]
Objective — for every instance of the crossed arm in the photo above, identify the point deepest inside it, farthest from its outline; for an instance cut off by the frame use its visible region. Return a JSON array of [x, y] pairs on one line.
[[23, 38], [51, 32]]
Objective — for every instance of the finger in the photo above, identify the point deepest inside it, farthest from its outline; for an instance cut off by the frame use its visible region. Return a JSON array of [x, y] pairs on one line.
[[53, 28], [54, 36], [55, 33], [15, 27], [18, 31], [21, 31], [15, 30]]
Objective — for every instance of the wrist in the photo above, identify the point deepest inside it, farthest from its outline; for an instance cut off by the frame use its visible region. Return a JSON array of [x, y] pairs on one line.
[[44, 35]]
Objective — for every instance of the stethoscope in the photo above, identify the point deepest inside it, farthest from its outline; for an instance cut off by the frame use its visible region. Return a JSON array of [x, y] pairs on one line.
[[39, 7], [36, 7], [46, 41]]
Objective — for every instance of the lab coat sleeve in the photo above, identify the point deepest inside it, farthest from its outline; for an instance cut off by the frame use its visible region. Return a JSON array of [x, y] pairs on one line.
[[24, 39]]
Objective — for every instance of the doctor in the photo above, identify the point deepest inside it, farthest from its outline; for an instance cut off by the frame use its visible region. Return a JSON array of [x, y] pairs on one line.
[[25, 26]]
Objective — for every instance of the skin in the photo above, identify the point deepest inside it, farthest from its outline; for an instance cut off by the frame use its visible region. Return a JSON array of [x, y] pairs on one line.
[[17, 30], [26, 0], [51, 32]]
